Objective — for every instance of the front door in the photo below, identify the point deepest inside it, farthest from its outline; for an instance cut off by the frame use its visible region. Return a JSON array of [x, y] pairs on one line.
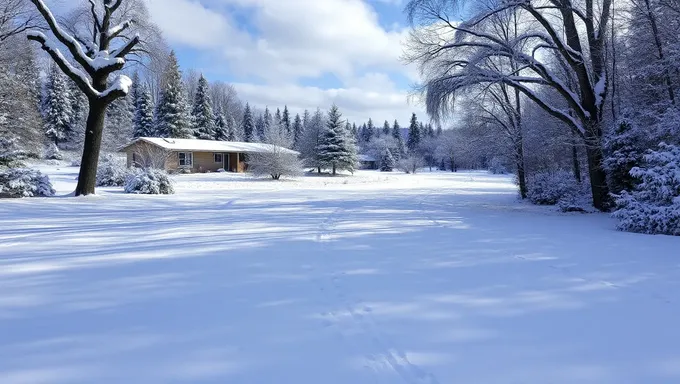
[[226, 158]]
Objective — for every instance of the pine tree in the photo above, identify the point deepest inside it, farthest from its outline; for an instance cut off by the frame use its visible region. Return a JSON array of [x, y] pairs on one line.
[[118, 127], [386, 161], [277, 117], [355, 132], [298, 131], [413, 141], [336, 149], [264, 124], [144, 124], [386, 128], [305, 119], [202, 112], [396, 134], [221, 132], [248, 125], [172, 117], [58, 111], [79, 111], [430, 130], [285, 120], [367, 131], [623, 154], [232, 133]]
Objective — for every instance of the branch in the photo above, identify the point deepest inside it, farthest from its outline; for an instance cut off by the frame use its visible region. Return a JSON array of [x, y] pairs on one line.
[[66, 39], [75, 74]]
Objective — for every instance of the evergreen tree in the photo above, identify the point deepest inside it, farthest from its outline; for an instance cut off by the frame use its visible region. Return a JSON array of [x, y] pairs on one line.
[[305, 119], [355, 132], [143, 123], [430, 130], [367, 131], [248, 125], [118, 126], [311, 137], [58, 111], [79, 110], [221, 132], [232, 133], [396, 134], [202, 112], [386, 161], [172, 117], [623, 154], [264, 125], [285, 120], [336, 149], [298, 131], [277, 117], [386, 128], [413, 141], [439, 130]]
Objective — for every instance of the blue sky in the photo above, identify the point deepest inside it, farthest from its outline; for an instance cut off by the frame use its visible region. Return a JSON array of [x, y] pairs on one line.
[[303, 53]]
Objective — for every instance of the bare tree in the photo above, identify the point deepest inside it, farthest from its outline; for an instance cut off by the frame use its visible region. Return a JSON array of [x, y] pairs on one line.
[[150, 156], [456, 56], [16, 17], [276, 160], [99, 48]]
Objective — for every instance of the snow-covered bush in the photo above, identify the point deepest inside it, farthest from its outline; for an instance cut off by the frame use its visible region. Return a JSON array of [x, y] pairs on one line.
[[52, 153], [551, 188], [386, 161], [149, 182], [654, 206], [274, 163], [497, 167], [410, 164], [10, 153], [112, 174], [23, 182]]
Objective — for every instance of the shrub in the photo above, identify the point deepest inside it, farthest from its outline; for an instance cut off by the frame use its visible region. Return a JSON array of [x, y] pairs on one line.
[[275, 162], [654, 206], [410, 164], [549, 188], [149, 182], [111, 174], [497, 167], [23, 182], [52, 153]]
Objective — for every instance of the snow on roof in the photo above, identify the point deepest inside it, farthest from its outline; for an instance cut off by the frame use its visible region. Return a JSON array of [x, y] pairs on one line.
[[366, 158], [195, 145]]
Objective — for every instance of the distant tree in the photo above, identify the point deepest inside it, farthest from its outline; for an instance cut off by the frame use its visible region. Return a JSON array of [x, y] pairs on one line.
[[248, 125], [396, 134], [277, 117], [172, 110], [118, 127], [143, 124], [57, 111], [221, 132], [202, 114], [285, 120], [414, 135], [336, 150], [386, 128], [79, 109], [311, 138], [232, 132], [386, 161], [298, 131], [276, 160], [367, 131]]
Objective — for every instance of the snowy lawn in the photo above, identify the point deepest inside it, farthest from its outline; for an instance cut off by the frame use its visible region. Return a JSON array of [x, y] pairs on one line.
[[378, 278]]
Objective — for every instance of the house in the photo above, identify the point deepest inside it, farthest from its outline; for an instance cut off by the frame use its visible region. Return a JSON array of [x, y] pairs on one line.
[[192, 155], [367, 162]]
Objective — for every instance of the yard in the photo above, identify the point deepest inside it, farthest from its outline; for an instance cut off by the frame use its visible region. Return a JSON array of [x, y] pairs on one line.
[[377, 278]]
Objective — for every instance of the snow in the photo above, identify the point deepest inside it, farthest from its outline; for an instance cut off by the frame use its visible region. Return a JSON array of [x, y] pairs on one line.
[[195, 145], [121, 83], [376, 278]]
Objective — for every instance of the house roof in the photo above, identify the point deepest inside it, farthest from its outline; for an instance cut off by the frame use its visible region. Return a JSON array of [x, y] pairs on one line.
[[195, 145]]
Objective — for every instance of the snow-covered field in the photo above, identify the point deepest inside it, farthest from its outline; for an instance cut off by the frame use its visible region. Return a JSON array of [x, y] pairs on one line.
[[433, 278]]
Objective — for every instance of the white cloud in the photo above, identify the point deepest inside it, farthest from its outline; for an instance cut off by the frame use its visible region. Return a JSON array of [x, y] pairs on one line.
[[296, 39]]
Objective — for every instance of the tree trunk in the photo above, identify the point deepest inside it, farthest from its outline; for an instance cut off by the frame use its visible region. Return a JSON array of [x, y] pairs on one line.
[[453, 164], [333, 169], [92, 145], [598, 176], [318, 170], [575, 163], [521, 171]]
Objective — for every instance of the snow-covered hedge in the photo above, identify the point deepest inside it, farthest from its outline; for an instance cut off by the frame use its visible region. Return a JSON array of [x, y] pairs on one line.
[[23, 182], [654, 206], [112, 175], [558, 188], [149, 182], [10, 153], [410, 164]]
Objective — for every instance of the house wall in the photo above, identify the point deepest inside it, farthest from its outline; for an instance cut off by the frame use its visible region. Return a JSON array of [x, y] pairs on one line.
[[203, 161]]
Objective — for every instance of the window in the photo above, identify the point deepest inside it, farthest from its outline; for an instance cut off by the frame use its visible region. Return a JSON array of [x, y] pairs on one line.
[[186, 159], [219, 158]]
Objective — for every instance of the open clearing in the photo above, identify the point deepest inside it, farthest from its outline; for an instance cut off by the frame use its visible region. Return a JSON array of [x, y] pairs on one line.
[[433, 278]]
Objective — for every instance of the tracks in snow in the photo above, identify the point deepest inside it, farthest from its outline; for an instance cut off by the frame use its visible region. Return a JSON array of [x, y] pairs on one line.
[[355, 323]]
